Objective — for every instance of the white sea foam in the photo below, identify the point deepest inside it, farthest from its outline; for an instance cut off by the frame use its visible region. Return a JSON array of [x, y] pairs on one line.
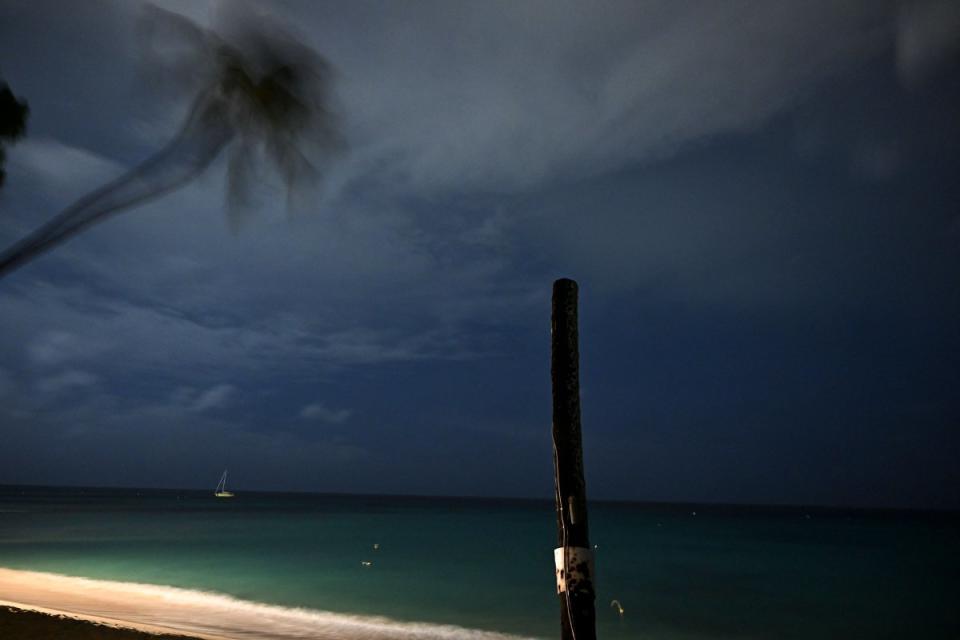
[[209, 615]]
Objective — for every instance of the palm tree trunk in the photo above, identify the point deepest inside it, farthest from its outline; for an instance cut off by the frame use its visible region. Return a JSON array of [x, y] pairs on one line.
[[200, 139]]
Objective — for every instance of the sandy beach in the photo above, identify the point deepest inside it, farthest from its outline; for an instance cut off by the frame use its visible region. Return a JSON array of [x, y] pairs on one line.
[[58, 597], [169, 610]]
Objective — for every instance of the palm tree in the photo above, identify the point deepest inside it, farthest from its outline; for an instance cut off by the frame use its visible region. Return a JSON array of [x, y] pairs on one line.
[[13, 121], [262, 92]]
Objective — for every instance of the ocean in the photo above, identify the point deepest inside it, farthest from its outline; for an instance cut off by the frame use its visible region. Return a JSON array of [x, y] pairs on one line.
[[679, 571]]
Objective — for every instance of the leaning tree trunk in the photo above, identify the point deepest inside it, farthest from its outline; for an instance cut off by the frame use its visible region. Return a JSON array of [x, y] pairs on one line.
[[198, 142]]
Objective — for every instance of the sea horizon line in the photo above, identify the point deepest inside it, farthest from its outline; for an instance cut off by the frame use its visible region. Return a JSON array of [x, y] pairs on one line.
[[706, 506]]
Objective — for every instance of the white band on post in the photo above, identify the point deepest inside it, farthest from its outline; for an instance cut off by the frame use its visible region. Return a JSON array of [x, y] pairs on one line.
[[578, 566]]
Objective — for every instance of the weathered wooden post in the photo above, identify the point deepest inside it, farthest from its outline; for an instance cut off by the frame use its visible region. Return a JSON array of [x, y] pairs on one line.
[[573, 557]]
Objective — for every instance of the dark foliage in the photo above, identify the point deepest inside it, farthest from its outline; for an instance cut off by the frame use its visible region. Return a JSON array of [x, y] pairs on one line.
[[13, 122]]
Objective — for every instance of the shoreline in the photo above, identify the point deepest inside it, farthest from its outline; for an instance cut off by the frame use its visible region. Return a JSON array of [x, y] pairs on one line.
[[162, 611]]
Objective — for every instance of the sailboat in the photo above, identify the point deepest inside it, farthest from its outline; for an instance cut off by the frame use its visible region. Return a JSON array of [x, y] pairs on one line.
[[222, 487]]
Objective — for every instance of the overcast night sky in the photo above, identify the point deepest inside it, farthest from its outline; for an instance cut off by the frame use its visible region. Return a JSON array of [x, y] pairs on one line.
[[758, 199]]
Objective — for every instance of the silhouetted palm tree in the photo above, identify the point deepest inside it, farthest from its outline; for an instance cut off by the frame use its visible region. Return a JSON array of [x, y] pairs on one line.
[[262, 91], [13, 122]]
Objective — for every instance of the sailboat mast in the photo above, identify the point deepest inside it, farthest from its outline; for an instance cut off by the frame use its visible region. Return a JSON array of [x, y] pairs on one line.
[[221, 491]]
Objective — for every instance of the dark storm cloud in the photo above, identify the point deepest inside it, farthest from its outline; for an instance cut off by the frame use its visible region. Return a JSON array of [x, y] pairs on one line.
[[926, 38], [754, 196], [528, 92]]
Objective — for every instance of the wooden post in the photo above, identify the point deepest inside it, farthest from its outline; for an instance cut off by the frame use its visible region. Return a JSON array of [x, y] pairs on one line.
[[573, 558]]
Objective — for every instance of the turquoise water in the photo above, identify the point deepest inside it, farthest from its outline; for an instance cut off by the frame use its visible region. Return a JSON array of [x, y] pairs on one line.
[[488, 564]]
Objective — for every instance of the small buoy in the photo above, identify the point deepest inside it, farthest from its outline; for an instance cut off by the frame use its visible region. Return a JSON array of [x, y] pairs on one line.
[[596, 546], [616, 605], [694, 513], [366, 563], [376, 546]]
